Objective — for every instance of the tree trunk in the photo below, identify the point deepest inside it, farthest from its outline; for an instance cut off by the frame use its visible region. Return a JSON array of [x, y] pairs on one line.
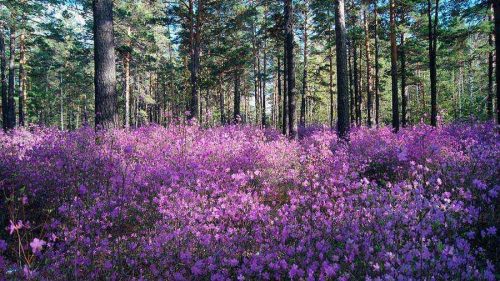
[[432, 58], [356, 81], [496, 8], [263, 88], [236, 111], [489, 102], [292, 119], [278, 102], [404, 96], [304, 76], [3, 76], [285, 94], [106, 113], [22, 79], [377, 70], [394, 68], [351, 85], [10, 99], [330, 83], [194, 52], [61, 101], [369, 106], [342, 91]]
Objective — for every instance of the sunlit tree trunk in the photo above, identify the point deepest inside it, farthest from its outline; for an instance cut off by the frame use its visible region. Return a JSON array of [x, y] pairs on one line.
[[369, 106], [394, 68]]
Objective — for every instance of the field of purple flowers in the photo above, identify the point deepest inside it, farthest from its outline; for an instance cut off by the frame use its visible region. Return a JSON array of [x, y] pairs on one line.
[[240, 203]]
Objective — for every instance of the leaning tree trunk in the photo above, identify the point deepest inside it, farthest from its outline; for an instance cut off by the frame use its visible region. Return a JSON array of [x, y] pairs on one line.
[[3, 76], [496, 8], [290, 69], [342, 92], [394, 68], [10, 98], [106, 113], [432, 59]]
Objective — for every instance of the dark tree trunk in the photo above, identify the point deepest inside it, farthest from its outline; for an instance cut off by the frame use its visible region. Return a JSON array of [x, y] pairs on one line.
[[330, 84], [263, 88], [352, 99], [496, 8], [369, 102], [221, 102], [304, 76], [377, 70], [489, 102], [356, 81], [3, 76], [342, 91], [10, 98], [280, 93], [22, 79], [432, 58], [106, 113], [394, 68], [236, 111], [290, 69], [404, 96], [285, 95]]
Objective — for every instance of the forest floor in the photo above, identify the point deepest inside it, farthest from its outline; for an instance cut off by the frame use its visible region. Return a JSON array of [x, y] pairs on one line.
[[238, 202]]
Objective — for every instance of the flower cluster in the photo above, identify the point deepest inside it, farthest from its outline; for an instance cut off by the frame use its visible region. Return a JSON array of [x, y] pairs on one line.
[[238, 202]]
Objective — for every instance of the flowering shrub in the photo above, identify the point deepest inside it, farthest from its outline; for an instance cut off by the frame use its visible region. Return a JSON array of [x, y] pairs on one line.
[[183, 203]]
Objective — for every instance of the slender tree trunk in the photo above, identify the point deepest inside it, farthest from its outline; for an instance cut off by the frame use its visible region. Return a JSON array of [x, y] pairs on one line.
[[356, 81], [330, 83], [404, 96], [10, 98], [432, 58], [22, 79], [496, 8], [369, 105], [263, 87], [489, 102], [342, 91], [236, 111], [292, 119], [106, 101], [352, 90], [278, 102], [3, 76], [126, 88], [304, 76], [221, 102], [285, 94], [394, 68], [61, 101], [377, 69], [194, 34]]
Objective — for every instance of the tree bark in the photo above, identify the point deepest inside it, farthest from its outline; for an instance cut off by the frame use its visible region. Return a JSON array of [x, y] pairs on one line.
[[489, 102], [10, 98], [432, 58], [236, 111], [304, 75], [285, 94], [22, 79], [263, 88], [356, 81], [3, 76], [404, 96], [394, 68], [280, 93], [496, 8], [106, 113], [292, 119], [369, 105], [330, 84], [342, 91], [377, 70]]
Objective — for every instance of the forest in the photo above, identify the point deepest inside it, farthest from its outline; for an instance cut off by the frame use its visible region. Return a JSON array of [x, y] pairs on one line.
[[249, 140]]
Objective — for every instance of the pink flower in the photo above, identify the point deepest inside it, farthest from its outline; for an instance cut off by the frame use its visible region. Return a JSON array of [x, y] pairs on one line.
[[37, 245]]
